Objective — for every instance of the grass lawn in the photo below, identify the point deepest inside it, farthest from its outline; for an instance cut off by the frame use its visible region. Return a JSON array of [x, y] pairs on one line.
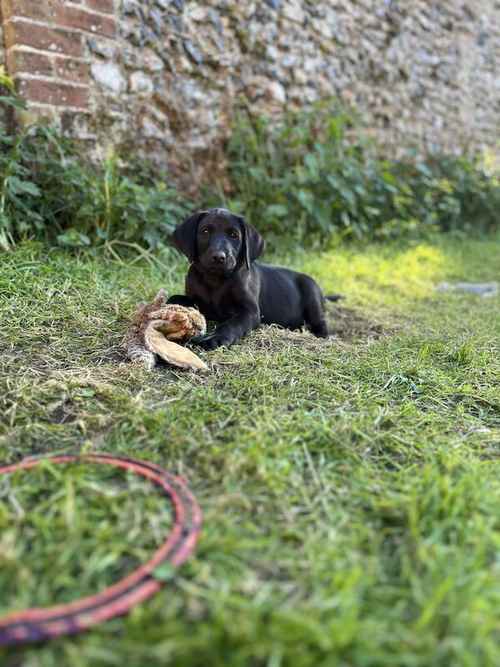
[[350, 488]]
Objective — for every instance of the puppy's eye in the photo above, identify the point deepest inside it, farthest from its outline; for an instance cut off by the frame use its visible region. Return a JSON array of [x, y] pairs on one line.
[[205, 231], [233, 234]]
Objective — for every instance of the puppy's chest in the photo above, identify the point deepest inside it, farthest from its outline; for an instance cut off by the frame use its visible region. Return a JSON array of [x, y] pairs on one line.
[[217, 303]]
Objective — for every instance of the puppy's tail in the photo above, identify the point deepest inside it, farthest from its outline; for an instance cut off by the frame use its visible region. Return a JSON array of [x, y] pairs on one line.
[[334, 297]]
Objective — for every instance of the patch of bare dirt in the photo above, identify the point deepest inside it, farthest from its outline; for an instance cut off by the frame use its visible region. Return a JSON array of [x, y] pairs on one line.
[[345, 324], [350, 325]]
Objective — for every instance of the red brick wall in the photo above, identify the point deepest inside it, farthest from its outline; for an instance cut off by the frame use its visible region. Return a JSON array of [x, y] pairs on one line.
[[45, 49]]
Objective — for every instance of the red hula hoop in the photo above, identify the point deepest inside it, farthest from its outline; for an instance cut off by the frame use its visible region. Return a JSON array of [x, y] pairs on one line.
[[38, 624]]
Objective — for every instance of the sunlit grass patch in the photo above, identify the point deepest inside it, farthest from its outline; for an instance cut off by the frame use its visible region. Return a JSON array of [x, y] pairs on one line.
[[381, 274]]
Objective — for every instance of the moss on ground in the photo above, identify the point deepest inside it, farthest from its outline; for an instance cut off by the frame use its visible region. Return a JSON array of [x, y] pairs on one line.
[[350, 488]]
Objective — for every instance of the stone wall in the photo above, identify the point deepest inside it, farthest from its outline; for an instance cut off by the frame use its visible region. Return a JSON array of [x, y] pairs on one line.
[[2, 47], [3, 112], [163, 78]]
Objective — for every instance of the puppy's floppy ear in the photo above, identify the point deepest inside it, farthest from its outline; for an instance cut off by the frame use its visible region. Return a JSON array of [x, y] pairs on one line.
[[253, 243], [184, 236]]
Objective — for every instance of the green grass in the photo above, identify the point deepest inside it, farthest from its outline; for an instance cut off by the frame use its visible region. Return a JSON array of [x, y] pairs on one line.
[[350, 488]]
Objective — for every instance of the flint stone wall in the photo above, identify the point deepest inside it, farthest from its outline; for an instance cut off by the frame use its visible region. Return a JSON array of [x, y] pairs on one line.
[[163, 78]]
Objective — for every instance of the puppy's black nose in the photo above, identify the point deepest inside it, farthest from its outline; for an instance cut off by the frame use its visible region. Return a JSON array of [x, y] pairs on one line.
[[219, 257]]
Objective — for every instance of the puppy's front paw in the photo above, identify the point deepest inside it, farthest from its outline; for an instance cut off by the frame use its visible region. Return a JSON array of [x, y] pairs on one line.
[[210, 342]]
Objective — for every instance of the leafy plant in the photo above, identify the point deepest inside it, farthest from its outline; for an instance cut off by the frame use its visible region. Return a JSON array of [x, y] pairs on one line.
[[315, 174], [17, 190], [48, 191], [106, 206], [453, 193], [309, 177]]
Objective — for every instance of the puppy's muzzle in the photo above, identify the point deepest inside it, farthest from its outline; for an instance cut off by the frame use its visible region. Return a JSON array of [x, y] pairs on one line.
[[218, 258]]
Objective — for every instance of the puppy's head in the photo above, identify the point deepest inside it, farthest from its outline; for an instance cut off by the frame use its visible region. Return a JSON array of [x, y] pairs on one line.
[[218, 241]]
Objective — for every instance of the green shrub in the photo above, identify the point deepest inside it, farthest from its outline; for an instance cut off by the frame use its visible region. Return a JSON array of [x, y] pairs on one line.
[[47, 191], [17, 190], [453, 193], [311, 176], [108, 204], [314, 175]]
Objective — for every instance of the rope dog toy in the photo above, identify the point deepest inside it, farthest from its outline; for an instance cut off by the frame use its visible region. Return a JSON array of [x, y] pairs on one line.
[[38, 624], [157, 329]]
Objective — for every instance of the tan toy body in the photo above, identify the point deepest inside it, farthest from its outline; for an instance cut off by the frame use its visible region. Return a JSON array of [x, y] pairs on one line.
[[154, 329]]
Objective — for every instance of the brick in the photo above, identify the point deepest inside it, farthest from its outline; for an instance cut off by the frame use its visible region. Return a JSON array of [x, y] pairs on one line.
[[104, 6], [36, 113], [40, 10], [71, 70], [56, 114], [53, 93], [44, 10], [23, 32], [73, 17], [29, 62]]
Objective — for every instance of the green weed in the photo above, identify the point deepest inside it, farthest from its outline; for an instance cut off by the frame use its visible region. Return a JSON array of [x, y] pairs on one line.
[[49, 191], [315, 175], [313, 178]]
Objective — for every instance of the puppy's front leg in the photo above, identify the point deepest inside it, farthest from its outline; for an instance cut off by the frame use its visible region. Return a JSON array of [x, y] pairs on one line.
[[231, 330]]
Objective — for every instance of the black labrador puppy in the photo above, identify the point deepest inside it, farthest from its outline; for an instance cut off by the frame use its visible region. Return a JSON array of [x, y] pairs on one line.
[[228, 286]]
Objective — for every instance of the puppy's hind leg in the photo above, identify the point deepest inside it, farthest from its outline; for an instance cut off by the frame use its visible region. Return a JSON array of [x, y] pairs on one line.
[[316, 322], [314, 312]]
